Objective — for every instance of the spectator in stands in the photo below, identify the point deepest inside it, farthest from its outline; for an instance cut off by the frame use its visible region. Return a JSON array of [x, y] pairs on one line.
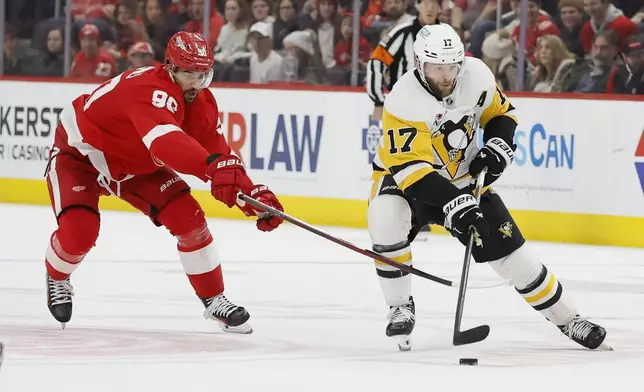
[[308, 66], [261, 12], [604, 15], [344, 48], [638, 19], [466, 21], [554, 63], [396, 11], [393, 13], [140, 54], [159, 25], [445, 14], [326, 29], [13, 62], [92, 60], [536, 27], [500, 54], [232, 44], [195, 25], [628, 78], [84, 9], [51, 62], [570, 23], [591, 75], [486, 25], [466, 13], [286, 22], [370, 11], [265, 63], [511, 19], [128, 29]]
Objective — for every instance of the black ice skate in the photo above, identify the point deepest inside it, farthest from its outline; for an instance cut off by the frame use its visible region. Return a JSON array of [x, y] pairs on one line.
[[586, 333], [401, 323], [232, 318], [59, 299]]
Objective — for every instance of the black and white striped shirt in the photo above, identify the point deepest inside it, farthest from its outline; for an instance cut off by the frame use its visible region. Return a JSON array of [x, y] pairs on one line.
[[396, 53]]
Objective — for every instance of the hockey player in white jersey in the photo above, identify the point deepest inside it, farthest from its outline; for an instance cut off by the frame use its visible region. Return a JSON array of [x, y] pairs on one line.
[[426, 161]]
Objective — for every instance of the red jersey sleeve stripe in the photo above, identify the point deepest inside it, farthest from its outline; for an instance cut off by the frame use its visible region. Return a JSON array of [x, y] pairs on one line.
[[159, 131]]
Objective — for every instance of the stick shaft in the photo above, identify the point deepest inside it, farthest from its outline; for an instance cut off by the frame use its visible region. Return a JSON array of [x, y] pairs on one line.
[[466, 261], [258, 204]]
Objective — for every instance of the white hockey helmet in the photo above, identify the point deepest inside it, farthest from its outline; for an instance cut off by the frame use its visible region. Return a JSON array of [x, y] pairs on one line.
[[438, 44]]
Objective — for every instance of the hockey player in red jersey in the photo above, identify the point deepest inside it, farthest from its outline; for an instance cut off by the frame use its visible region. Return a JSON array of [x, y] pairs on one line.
[[129, 138]]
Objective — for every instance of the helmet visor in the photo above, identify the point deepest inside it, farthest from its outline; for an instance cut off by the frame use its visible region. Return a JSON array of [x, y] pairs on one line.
[[195, 79], [441, 72]]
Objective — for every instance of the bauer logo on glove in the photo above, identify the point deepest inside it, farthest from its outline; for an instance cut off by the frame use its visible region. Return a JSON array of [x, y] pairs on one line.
[[266, 221], [230, 162], [496, 155]]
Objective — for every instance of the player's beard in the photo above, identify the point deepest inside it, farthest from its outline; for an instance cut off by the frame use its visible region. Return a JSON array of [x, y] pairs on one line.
[[190, 95], [441, 89]]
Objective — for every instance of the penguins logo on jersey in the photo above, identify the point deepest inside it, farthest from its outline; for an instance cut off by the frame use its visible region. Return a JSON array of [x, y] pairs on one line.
[[451, 140]]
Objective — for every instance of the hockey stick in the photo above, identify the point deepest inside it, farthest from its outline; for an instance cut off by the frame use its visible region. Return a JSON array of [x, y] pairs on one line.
[[481, 332], [297, 222]]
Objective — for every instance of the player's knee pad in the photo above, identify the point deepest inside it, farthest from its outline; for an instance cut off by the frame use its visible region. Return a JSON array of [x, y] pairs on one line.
[[389, 220], [77, 232], [185, 219]]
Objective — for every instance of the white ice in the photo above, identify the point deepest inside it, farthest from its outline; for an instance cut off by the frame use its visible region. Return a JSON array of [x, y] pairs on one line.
[[317, 312]]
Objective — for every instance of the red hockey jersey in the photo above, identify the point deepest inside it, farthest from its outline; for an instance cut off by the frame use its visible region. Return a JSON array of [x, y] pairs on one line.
[[139, 121], [103, 65]]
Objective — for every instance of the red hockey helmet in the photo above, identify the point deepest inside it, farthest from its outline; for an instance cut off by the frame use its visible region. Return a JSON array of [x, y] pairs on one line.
[[190, 51]]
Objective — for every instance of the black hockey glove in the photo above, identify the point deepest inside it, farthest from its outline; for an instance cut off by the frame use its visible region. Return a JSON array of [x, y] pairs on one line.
[[496, 155], [463, 212]]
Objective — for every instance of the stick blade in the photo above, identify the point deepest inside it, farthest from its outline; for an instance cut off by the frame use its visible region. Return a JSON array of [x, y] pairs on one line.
[[470, 336]]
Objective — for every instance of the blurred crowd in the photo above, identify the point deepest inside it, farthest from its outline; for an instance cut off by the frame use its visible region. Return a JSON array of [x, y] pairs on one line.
[[592, 46]]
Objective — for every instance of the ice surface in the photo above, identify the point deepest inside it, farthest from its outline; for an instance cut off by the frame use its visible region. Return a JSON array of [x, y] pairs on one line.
[[317, 311]]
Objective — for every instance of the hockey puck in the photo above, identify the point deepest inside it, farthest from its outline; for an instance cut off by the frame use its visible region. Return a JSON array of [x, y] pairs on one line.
[[468, 361]]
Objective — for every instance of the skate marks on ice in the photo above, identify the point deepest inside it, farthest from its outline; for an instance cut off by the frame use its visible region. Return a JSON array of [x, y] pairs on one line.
[[87, 345], [350, 334], [309, 328]]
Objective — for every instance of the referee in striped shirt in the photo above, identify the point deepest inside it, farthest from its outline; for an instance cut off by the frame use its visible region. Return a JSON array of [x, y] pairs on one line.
[[395, 52]]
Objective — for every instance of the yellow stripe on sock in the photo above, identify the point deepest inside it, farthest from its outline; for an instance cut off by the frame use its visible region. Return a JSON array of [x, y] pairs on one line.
[[540, 295], [403, 259]]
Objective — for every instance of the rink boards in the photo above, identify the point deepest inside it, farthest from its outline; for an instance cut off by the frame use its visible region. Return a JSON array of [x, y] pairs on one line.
[[578, 174]]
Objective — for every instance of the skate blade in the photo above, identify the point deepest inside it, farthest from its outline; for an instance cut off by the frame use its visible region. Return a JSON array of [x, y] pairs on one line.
[[604, 347], [63, 325], [244, 329], [404, 342]]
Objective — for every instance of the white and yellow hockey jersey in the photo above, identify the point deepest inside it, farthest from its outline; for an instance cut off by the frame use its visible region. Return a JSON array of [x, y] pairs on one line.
[[423, 133]]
